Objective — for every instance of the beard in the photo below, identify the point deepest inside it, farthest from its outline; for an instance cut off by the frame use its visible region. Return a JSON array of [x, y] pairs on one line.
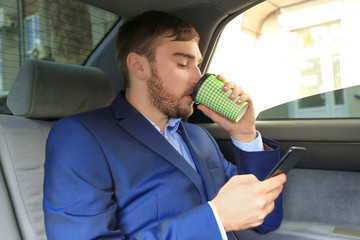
[[165, 100]]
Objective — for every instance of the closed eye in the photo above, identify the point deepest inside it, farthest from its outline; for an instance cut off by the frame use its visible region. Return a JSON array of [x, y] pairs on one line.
[[182, 65]]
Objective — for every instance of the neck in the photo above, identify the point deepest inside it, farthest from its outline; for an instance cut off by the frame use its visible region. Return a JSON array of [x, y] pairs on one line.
[[142, 103]]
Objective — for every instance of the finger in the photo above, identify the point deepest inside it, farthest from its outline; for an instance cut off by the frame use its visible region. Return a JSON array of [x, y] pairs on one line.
[[221, 78], [253, 224], [275, 193], [229, 86], [276, 180], [243, 98], [236, 92], [277, 172], [270, 207], [281, 177], [275, 184]]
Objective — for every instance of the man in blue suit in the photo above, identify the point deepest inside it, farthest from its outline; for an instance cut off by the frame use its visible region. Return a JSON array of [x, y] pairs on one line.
[[134, 170]]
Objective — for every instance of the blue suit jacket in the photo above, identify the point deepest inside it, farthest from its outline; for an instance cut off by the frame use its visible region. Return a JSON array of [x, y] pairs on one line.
[[109, 174]]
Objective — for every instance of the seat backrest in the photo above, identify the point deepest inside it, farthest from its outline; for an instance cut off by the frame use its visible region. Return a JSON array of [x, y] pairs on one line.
[[42, 92], [8, 226]]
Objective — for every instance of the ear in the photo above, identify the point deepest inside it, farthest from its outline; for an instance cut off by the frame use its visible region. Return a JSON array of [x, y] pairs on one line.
[[138, 65]]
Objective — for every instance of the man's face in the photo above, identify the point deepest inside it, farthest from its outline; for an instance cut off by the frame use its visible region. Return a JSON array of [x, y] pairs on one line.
[[175, 73]]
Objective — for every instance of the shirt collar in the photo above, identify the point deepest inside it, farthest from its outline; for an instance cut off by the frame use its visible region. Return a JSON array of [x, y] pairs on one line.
[[171, 126]]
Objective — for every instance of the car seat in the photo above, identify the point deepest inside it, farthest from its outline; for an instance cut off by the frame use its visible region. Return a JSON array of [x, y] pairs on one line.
[[42, 93]]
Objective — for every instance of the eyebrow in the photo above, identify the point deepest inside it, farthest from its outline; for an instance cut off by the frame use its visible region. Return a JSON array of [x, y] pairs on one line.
[[189, 56]]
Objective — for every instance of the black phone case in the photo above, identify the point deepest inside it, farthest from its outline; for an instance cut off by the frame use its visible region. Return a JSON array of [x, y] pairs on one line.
[[288, 161]]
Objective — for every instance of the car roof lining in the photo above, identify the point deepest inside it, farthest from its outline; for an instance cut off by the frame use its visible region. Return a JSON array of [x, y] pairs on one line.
[[212, 12], [123, 8]]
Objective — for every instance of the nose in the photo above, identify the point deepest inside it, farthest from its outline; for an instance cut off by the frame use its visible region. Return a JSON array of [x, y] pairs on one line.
[[196, 75]]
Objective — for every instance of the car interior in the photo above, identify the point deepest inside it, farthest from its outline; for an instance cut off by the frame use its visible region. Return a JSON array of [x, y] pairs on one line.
[[47, 82]]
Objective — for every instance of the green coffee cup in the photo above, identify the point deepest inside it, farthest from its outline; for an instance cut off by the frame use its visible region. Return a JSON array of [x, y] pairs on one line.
[[208, 91]]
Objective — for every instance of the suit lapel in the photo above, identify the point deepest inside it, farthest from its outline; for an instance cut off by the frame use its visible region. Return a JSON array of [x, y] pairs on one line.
[[140, 128], [200, 163]]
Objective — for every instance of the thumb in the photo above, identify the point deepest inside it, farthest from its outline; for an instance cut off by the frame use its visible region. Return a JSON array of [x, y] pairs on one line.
[[245, 179]]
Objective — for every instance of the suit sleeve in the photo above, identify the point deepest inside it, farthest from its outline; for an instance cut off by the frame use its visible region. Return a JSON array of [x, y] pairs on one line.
[[78, 187], [259, 164], [79, 199]]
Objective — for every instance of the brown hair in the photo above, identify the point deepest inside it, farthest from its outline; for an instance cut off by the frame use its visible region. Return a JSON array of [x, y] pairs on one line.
[[140, 35]]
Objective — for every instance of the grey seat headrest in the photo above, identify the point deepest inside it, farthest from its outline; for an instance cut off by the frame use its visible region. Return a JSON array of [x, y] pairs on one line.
[[44, 89]]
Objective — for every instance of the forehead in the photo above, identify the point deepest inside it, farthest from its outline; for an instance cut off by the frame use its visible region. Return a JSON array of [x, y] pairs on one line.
[[167, 47]]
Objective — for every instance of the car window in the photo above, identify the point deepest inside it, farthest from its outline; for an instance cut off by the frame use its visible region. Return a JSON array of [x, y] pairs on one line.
[[282, 51], [54, 30]]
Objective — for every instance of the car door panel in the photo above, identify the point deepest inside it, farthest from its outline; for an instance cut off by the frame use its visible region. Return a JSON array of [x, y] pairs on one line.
[[321, 196]]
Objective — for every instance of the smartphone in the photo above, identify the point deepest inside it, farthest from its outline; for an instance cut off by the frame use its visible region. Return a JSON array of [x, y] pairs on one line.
[[288, 161]]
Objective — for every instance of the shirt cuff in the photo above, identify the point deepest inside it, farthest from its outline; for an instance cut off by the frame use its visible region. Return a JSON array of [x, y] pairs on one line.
[[219, 223], [254, 146]]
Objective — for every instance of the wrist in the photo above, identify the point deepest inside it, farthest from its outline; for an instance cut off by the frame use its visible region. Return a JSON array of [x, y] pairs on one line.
[[218, 221], [219, 215], [245, 138]]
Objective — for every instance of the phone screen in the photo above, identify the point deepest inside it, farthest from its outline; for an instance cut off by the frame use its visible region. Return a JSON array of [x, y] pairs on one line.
[[288, 161]]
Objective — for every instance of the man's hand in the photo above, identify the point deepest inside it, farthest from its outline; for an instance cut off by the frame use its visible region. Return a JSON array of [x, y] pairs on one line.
[[244, 130], [244, 202]]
